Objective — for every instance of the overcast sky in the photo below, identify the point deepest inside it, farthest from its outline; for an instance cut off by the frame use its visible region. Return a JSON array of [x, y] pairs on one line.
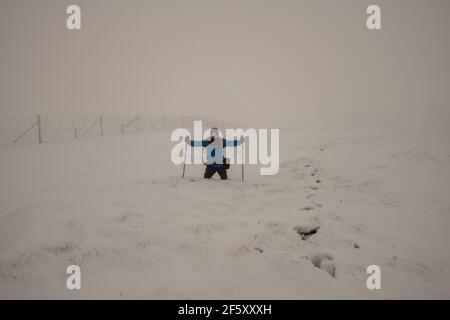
[[233, 59]]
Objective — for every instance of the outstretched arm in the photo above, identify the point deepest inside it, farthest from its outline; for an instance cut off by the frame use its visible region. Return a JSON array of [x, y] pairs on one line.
[[194, 143], [233, 143]]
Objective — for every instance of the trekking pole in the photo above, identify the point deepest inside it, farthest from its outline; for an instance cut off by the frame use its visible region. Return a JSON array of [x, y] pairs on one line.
[[242, 162], [184, 162]]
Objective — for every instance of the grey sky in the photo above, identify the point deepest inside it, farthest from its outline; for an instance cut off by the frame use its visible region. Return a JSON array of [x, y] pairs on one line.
[[252, 59]]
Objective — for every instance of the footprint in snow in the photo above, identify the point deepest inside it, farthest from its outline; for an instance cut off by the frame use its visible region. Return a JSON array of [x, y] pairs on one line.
[[306, 231], [324, 261], [318, 205]]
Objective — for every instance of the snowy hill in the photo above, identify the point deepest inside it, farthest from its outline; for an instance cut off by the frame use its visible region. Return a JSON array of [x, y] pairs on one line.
[[117, 207]]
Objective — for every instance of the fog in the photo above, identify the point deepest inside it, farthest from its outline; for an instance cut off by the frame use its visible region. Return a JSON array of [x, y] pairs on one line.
[[242, 61]]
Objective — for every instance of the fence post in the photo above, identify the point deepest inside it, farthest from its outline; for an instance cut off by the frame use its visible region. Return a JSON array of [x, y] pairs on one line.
[[138, 127], [39, 128], [101, 125], [74, 129]]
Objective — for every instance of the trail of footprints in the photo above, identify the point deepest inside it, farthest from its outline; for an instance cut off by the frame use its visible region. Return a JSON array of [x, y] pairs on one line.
[[321, 260], [314, 187], [306, 232]]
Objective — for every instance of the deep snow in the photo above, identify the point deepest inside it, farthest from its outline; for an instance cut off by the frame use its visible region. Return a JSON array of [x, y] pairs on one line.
[[116, 206]]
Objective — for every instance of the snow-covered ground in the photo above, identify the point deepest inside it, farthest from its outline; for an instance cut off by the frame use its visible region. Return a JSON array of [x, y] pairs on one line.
[[117, 207]]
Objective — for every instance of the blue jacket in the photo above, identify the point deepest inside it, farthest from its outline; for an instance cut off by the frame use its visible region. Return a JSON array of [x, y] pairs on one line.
[[212, 149]]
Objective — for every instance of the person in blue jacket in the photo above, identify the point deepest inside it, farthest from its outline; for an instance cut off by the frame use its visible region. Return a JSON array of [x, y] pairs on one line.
[[215, 154]]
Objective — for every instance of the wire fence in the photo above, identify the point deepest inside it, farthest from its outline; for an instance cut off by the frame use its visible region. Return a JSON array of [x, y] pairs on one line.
[[33, 129]]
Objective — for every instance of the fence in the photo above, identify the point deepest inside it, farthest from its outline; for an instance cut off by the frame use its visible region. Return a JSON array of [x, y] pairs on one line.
[[49, 128]]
